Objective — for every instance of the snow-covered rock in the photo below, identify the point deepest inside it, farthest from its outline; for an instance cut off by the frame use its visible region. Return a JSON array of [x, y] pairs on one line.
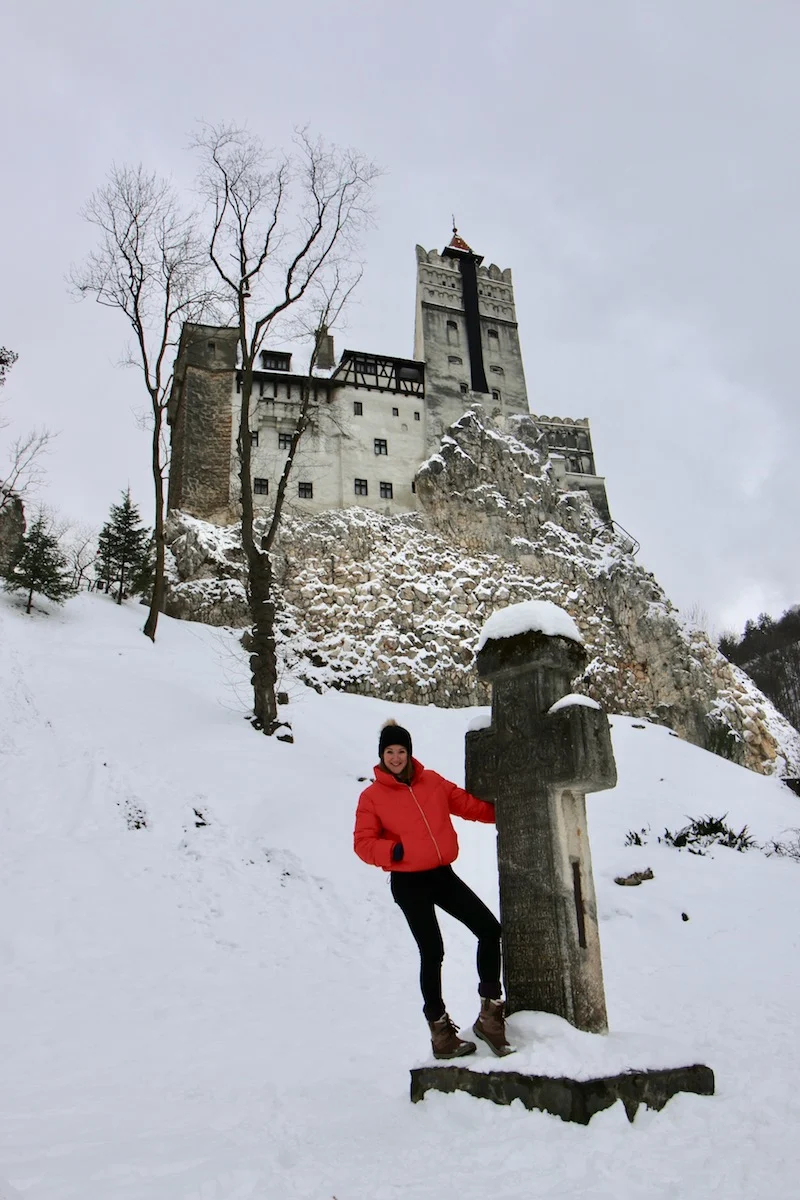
[[393, 606], [12, 527]]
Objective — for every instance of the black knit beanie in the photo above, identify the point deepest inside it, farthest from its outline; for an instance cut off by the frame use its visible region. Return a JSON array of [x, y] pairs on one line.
[[393, 734]]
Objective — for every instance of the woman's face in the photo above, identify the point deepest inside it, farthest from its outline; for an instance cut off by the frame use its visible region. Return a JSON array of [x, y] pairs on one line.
[[395, 759]]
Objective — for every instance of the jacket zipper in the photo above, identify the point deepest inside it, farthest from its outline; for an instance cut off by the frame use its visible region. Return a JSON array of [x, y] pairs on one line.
[[427, 826]]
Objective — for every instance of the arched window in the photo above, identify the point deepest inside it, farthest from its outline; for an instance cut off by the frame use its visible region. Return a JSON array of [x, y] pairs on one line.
[[452, 333], [493, 335]]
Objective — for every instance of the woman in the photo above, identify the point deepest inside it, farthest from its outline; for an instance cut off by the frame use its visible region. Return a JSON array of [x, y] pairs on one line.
[[403, 825]]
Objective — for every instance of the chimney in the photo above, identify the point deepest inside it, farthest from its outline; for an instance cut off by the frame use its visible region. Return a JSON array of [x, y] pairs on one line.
[[326, 359]]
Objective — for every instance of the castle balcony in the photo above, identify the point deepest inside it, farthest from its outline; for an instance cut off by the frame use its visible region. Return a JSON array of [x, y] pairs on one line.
[[376, 372]]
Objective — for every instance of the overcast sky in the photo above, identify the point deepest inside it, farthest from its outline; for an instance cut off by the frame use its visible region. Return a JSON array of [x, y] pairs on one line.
[[635, 162]]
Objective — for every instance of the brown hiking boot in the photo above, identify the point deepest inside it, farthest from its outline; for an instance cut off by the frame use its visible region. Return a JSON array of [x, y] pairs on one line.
[[445, 1040], [490, 1027]]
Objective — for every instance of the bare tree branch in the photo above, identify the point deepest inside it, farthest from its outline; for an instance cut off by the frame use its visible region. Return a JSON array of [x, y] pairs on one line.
[[79, 543], [283, 234], [26, 468], [151, 265]]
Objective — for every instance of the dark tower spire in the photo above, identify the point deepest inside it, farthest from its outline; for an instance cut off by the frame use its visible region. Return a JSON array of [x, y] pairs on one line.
[[468, 263]]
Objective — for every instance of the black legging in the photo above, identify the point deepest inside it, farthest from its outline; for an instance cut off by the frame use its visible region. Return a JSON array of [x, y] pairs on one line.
[[416, 892]]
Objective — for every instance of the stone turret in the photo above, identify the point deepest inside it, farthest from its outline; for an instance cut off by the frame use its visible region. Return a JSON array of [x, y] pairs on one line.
[[466, 332]]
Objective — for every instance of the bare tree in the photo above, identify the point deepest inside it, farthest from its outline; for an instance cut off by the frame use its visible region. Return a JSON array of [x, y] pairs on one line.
[[149, 264], [283, 241], [25, 469], [79, 544]]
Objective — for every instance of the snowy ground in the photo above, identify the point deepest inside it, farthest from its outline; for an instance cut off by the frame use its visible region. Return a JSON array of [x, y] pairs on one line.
[[228, 1010]]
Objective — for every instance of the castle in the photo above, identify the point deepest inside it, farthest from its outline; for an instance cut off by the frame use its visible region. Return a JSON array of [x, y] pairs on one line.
[[375, 418]]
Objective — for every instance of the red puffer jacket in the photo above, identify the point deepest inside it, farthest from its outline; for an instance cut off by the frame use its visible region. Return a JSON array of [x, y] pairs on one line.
[[416, 814]]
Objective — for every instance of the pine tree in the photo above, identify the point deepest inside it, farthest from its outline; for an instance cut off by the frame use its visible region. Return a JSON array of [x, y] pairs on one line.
[[104, 564], [123, 556], [38, 565], [142, 577]]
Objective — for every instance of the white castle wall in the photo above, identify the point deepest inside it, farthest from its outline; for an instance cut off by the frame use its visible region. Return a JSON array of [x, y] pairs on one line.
[[337, 449]]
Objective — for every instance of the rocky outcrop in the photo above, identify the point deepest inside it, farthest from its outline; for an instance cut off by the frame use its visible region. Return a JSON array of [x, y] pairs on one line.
[[392, 606], [12, 527], [205, 572]]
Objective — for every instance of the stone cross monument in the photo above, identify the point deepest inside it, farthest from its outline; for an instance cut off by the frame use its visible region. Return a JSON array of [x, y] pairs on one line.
[[545, 749], [537, 765]]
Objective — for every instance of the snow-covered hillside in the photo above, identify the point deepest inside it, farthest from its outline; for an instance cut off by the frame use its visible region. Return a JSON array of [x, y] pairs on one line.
[[206, 996]]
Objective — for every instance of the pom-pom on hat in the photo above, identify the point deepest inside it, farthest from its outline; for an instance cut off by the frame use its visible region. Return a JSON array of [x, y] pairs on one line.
[[393, 734]]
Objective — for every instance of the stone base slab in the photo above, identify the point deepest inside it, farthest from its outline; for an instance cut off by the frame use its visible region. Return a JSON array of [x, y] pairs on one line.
[[571, 1099]]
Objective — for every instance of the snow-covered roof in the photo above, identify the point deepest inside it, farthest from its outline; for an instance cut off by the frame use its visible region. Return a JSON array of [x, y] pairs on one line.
[[532, 616]]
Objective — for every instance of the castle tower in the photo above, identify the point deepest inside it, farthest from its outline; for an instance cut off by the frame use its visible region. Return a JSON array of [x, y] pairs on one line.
[[374, 418], [466, 333], [200, 415]]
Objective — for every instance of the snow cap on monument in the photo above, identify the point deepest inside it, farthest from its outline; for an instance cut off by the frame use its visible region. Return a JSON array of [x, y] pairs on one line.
[[532, 616]]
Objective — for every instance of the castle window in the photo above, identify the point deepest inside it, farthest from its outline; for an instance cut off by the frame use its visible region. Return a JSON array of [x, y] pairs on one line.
[[494, 335], [453, 358], [275, 361], [381, 446], [361, 487], [452, 333], [464, 389], [414, 486], [358, 408], [260, 487], [367, 366], [386, 491], [497, 370], [416, 416], [212, 347], [253, 437], [495, 394], [395, 412], [284, 441], [305, 491]]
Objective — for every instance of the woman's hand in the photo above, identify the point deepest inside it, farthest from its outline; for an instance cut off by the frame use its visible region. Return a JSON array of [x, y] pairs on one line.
[[397, 852]]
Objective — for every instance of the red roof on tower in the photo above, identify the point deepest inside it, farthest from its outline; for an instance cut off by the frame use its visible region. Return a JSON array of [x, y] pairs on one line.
[[458, 243]]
